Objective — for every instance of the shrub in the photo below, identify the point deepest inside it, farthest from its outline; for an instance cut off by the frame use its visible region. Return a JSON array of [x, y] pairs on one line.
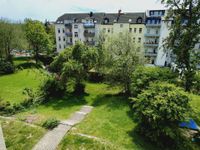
[[159, 110], [196, 84], [6, 67], [52, 87], [142, 77], [79, 88], [50, 123], [5, 107]]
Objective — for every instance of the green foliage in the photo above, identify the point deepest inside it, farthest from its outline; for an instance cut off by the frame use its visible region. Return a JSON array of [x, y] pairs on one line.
[[37, 37], [75, 63], [159, 110], [142, 76], [50, 123], [196, 84], [6, 67], [52, 87], [184, 34], [121, 58], [11, 37]]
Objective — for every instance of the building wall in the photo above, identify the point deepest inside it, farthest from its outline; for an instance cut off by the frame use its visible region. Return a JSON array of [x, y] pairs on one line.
[[60, 37]]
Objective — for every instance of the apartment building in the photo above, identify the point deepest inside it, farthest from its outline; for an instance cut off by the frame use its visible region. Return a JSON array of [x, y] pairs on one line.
[[86, 27], [148, 31]]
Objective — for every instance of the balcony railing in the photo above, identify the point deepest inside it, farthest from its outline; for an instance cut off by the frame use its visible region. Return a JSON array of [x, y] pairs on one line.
[[89, 34], [69, 34], [153, 25], [89, 25], [69, 43], [151, 44], [68, 25], [150, 54], [151, 35]]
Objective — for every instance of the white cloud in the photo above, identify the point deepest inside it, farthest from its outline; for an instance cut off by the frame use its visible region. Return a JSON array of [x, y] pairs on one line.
[[51, 9]]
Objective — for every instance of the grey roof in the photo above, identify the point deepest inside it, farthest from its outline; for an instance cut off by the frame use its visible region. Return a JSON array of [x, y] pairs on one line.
[[99, 17]]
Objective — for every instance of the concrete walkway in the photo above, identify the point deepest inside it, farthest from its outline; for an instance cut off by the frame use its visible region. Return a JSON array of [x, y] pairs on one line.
[[51, 140], [2, 142]]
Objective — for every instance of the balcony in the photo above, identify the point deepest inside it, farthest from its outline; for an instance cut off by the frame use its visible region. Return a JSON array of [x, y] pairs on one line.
[[153, 25], [69, 34], [151, 54], [89, 34], [69, 43], [151, 35], [88, 25], [151, 44], [68, 25]]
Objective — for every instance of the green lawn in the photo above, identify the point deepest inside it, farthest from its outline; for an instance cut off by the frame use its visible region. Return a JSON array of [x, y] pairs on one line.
[[110, 123], [20, 136], [62, 108], [12, 86]]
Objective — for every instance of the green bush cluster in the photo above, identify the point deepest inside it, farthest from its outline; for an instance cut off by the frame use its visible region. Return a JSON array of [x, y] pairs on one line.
[[32, 99], [159, 109], [52, 87], [50, 123], [143, 76], [196, 84], [6, 67]]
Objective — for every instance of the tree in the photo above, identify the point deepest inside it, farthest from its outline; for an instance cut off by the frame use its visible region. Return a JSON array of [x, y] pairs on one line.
[[159, 110], [11, 37], [121, 58], [37, 37], [75, 63], [184, 34]]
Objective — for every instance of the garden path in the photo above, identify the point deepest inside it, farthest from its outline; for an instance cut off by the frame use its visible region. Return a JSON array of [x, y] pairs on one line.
[[52, 138]]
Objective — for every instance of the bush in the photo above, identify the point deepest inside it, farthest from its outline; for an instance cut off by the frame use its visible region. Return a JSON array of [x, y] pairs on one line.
[[6, 67], [142, 77], [79, 88], [52, 87], [50, 123], [159, 110], [196, 84]]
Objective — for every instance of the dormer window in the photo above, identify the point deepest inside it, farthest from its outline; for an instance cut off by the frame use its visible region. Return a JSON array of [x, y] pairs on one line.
[[139, 20], [106, 20]]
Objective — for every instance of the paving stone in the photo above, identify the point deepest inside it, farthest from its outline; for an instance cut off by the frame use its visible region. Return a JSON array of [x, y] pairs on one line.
[[51, 140], [2, 141]]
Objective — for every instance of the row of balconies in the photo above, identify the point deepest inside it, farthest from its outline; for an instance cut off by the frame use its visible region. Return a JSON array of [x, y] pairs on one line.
[[151, 44], [152, 34], [86, 34]]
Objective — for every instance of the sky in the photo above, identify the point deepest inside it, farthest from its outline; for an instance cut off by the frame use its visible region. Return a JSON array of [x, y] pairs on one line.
[[52, 9]]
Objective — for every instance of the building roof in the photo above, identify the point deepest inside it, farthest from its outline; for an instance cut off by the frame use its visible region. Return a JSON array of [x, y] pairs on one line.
[[99, 17]]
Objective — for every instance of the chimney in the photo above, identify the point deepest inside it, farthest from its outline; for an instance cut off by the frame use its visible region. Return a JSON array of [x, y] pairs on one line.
[[119, 13]]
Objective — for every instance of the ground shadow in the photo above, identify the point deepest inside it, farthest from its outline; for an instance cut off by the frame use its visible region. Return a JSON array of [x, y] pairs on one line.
[[66, 101]]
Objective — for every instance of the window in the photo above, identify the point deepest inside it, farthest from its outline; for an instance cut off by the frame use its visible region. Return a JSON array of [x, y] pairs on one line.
[[58, 30], [140, 30], [64, 46], [108, 30], [135, 30], [59, 38], [75, 26], [60, 46], [70, 40], [133, 40], [130, 29], [139, 40], [157, 31], [63, 30], [121, 25], [76, 34], [63, 38]]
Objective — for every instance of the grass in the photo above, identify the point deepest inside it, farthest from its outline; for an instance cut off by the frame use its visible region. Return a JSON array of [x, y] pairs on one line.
[[62, 108], [12, 86], [110, 124], [19, 136]]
